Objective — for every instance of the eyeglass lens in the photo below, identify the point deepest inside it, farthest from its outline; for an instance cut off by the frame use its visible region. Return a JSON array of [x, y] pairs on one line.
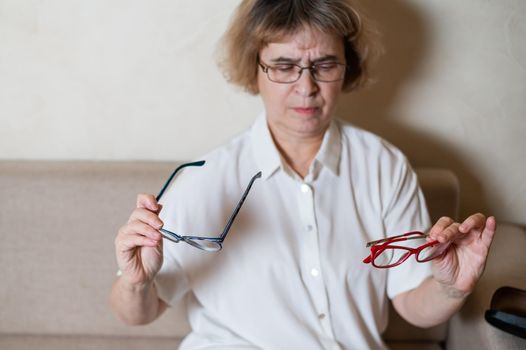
[[390, 256], [204, 244], [394, 255], [431, 252], [289, 73]]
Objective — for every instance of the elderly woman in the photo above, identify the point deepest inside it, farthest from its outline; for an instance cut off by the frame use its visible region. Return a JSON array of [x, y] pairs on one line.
[[291, 274]]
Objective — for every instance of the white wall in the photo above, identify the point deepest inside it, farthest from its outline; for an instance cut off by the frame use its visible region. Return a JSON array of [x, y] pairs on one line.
[[124, 79]]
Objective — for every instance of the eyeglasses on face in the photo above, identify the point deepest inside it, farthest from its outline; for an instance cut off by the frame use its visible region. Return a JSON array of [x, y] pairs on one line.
[[287, 73], [209, 244], [389, 252]]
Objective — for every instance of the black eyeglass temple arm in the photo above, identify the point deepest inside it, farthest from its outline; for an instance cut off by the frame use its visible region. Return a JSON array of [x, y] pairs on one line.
[[167, 183], [238, 207]]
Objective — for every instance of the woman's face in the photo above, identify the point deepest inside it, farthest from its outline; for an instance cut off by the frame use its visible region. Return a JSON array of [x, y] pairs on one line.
[[302, 109]]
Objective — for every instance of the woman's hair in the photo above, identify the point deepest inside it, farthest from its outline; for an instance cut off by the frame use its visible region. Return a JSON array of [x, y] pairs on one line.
[[259, 22]]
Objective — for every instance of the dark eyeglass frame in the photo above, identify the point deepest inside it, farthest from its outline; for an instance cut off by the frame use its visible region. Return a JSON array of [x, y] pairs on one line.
[[209, 244], [379, 246], [312, 70]]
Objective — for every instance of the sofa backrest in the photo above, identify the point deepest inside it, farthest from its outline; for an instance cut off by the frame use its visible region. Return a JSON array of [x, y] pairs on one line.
[[58, 222]]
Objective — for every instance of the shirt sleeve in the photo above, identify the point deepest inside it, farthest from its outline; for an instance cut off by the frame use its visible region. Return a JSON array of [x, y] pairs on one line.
[[405, 210], [171, 282]]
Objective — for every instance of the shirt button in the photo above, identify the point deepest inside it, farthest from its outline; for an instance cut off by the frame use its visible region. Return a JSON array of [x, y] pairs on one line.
[[309, 228], [305, 188], [321, 316], [314, 272]]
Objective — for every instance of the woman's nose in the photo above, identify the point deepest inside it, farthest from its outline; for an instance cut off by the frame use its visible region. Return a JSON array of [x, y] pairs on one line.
[[306, 86]]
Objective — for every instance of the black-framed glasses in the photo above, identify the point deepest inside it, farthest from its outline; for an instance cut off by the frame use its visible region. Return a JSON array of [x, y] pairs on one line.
[[287, 73], [209, 244]]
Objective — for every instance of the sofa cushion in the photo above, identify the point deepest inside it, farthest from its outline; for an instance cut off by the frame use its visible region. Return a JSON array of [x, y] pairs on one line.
[[31, 342], [49, 342], [58, 222]]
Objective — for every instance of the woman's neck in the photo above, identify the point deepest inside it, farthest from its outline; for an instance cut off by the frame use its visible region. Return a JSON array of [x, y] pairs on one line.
[[298, 152]]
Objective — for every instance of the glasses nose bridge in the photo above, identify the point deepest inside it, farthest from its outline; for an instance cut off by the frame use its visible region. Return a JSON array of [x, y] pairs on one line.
[[311, 70]]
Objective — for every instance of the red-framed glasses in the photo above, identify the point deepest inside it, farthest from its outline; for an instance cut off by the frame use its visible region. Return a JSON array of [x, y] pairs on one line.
[[388, 252]]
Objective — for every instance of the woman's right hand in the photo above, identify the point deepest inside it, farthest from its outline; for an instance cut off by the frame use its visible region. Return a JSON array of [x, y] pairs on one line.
[[139, 244]]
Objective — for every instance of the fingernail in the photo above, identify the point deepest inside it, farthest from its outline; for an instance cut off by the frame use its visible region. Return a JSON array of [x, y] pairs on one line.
[[462, 228]]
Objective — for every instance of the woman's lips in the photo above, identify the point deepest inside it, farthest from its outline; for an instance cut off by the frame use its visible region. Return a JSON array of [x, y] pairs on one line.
[[305, 110]]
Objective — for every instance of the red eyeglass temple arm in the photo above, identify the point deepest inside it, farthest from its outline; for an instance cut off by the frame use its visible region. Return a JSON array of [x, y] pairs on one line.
[[399, 238]]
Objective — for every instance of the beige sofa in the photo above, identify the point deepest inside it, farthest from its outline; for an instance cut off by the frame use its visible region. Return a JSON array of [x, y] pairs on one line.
[[57, 227]]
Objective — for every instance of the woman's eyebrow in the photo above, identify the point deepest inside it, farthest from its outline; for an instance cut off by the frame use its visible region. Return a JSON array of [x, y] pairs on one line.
[[325, 59], [282, 59]]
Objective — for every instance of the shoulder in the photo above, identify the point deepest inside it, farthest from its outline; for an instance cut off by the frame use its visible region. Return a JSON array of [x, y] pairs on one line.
[[232, 159], [224, 167], [374, 163], [367, 145]]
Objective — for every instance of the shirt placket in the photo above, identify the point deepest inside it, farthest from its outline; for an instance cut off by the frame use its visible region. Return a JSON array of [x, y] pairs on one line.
[[311, 265]]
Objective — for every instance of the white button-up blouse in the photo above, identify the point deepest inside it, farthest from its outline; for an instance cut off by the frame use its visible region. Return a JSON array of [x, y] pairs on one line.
[[290, 275]]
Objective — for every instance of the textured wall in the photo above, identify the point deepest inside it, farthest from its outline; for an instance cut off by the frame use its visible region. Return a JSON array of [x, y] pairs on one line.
[[126, 79]]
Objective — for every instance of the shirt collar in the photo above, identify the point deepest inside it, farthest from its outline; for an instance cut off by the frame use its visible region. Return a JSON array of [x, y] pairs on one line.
[[266, 154], [268, 158], [330, 150]]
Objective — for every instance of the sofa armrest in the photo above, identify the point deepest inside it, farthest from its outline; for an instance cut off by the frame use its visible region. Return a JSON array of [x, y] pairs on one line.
[[506, 266]]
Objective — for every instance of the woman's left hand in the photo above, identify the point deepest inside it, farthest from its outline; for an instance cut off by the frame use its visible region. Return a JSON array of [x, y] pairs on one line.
[[459, 269]]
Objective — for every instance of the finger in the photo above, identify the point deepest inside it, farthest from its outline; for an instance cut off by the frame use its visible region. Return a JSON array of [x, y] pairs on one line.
[[132, 241], [147, 201], [475, 221], [140, 228], [489, 231], [442, 223], [146, 216], [450, 233]]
